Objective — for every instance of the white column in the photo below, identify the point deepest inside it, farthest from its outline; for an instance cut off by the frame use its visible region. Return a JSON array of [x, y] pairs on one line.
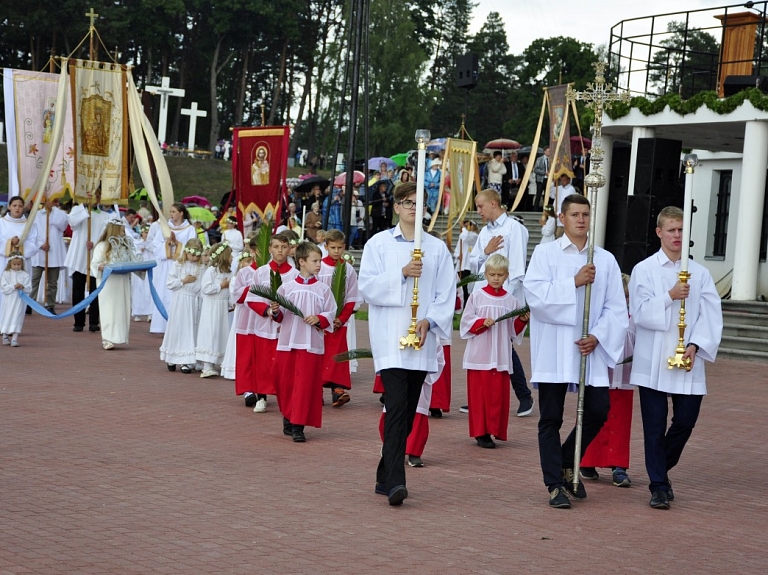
[[601, 210], [637, 133], [746, 248]]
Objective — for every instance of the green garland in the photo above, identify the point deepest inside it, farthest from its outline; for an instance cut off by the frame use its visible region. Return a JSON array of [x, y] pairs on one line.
[[677, 104]]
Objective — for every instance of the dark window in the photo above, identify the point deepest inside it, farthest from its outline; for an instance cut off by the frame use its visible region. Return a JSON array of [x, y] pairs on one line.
[[721, 215], [764, 229]]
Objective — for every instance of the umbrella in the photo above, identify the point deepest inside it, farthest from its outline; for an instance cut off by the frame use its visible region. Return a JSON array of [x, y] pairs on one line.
[[375, 163], [502, 144], [400, 159], [437, 144], [198, 214], [293, 182], [341, 179], [199, 200], [306, 186], [526, 151], [139, 194], [576, 144]]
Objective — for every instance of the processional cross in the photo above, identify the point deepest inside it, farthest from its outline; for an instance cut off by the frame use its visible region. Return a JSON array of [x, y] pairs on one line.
[[598, 96], [165, 90], [193, 114]]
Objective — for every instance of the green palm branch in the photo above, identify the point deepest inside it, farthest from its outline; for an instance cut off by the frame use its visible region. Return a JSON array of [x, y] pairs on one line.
[[275, 281], [359, 353], [262, 244], [339, 285], [472, 278], [266, 293], [513, 313]]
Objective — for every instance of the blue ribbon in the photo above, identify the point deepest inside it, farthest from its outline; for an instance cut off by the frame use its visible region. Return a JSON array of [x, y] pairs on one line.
[[120, 268]]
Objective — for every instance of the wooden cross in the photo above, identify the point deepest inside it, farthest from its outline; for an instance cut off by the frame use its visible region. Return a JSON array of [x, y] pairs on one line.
[[193, 114], [164, 90], [92, 15]]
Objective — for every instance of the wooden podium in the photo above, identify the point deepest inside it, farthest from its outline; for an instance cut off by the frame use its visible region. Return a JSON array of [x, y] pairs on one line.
[[737, 50]]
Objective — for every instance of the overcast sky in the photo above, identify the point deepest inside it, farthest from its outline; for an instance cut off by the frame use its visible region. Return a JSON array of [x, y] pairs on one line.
[[588, 21]]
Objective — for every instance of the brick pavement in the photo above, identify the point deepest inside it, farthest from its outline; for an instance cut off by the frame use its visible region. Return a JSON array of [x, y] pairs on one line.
[[111, 464]]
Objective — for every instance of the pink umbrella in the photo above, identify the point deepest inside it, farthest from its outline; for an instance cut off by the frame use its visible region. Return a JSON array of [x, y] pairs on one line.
[[502, 144], [576, 145], [199, 200], [357, 178]]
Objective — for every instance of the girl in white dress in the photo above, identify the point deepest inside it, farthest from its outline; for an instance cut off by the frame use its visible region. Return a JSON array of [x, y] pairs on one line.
[[234, 238], [14, 278], [11, 229], [115, 296], [166, 250], [181, 332], [548, 225], [213, 331]]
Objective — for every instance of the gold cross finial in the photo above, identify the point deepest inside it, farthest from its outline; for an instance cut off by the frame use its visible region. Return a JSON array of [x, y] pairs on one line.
[[92, 15]]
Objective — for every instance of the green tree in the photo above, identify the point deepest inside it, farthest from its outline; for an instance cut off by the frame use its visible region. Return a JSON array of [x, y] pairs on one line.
[[686, 62]]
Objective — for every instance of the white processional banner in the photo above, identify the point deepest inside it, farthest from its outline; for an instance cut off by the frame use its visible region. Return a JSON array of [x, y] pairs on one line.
[[30, 112], [101, 131]]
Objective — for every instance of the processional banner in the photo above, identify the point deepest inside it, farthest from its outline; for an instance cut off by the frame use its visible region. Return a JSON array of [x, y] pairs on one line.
[[259, 170], [461, 169], [559, 132], [101, 131], [30, 112]]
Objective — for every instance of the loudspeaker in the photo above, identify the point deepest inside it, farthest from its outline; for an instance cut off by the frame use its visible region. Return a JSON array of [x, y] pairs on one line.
[[735, 84], [466, 71], [658, 167], [616, 218], [640, 239]]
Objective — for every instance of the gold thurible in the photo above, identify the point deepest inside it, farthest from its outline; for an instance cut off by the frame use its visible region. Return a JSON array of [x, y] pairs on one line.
[[411, 339], [677, 360]]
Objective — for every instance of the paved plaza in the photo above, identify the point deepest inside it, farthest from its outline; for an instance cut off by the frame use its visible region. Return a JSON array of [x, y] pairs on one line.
[[111, 464]]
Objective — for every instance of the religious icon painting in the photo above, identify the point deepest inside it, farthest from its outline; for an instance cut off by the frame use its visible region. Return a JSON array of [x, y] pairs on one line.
[[95, 123]]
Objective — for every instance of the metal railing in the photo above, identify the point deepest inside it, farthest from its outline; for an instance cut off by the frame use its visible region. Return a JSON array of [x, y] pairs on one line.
[[680, 52]]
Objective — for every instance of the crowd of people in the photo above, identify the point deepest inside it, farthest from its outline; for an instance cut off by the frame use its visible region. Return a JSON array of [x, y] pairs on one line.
[[276, 328]]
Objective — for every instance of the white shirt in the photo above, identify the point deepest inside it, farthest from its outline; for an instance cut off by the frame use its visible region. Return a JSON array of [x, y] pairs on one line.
[[77, 254], [561, 192], [514, 248], [462, 253], [557, 310], [389, 293], [656, 316], [496, 170], [57, 249]]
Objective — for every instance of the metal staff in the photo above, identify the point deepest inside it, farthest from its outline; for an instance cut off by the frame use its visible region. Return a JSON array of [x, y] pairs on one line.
[[677, 361], [599, 97], [411, 339]]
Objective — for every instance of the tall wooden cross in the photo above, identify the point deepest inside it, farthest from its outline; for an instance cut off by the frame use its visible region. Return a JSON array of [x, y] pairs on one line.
[[193, 114], [164, 90], [92, 15]]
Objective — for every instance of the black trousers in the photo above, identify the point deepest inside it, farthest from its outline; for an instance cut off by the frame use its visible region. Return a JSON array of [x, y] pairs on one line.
[[539, 193], [517, 378], [663, 447], [402, 388], [78, 295], [555, 457]]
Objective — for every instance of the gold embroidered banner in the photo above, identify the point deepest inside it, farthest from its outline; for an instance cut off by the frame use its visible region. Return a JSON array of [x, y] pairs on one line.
[[101, 131], [559, 132], [31, 109]]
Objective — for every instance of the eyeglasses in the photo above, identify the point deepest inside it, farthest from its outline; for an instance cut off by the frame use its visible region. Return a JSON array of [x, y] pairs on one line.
[[407, 204]]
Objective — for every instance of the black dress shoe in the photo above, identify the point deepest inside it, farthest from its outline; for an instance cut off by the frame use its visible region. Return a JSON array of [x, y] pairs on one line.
[[94, 328], [485, 442], [77, 328], [287, 427], [298, 434], [250, 399], [434, 412], [29, 311], [170, 366], [397, 495], [659, 499]]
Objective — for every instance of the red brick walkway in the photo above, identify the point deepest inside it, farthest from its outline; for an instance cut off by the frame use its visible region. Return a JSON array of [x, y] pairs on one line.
[[111, 464]]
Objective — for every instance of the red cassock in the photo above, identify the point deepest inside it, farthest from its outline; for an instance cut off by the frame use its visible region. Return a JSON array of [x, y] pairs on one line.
[[488, 394], [300, 394], [611, 446], [245, 363], [417, 438], [334, 372], [441, 389], [378, 385], [265, 378]]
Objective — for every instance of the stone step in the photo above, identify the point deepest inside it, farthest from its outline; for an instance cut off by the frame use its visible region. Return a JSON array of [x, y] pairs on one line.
[[742, 354], [751, 331], [744, 318], [754, 307], [757, 344]]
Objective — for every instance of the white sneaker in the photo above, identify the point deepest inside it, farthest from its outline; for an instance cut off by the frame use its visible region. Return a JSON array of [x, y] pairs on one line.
[[108, 345], [209, 373], [136, 318], [6, 341], [14, 343], [261, 406]]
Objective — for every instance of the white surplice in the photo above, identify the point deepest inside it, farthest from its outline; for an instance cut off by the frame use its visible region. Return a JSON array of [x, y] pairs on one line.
[[514, 248], [557, 308], [389, 294], [213, 330], [141, 296], [79, 220], [656, 316], [312, 298]]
